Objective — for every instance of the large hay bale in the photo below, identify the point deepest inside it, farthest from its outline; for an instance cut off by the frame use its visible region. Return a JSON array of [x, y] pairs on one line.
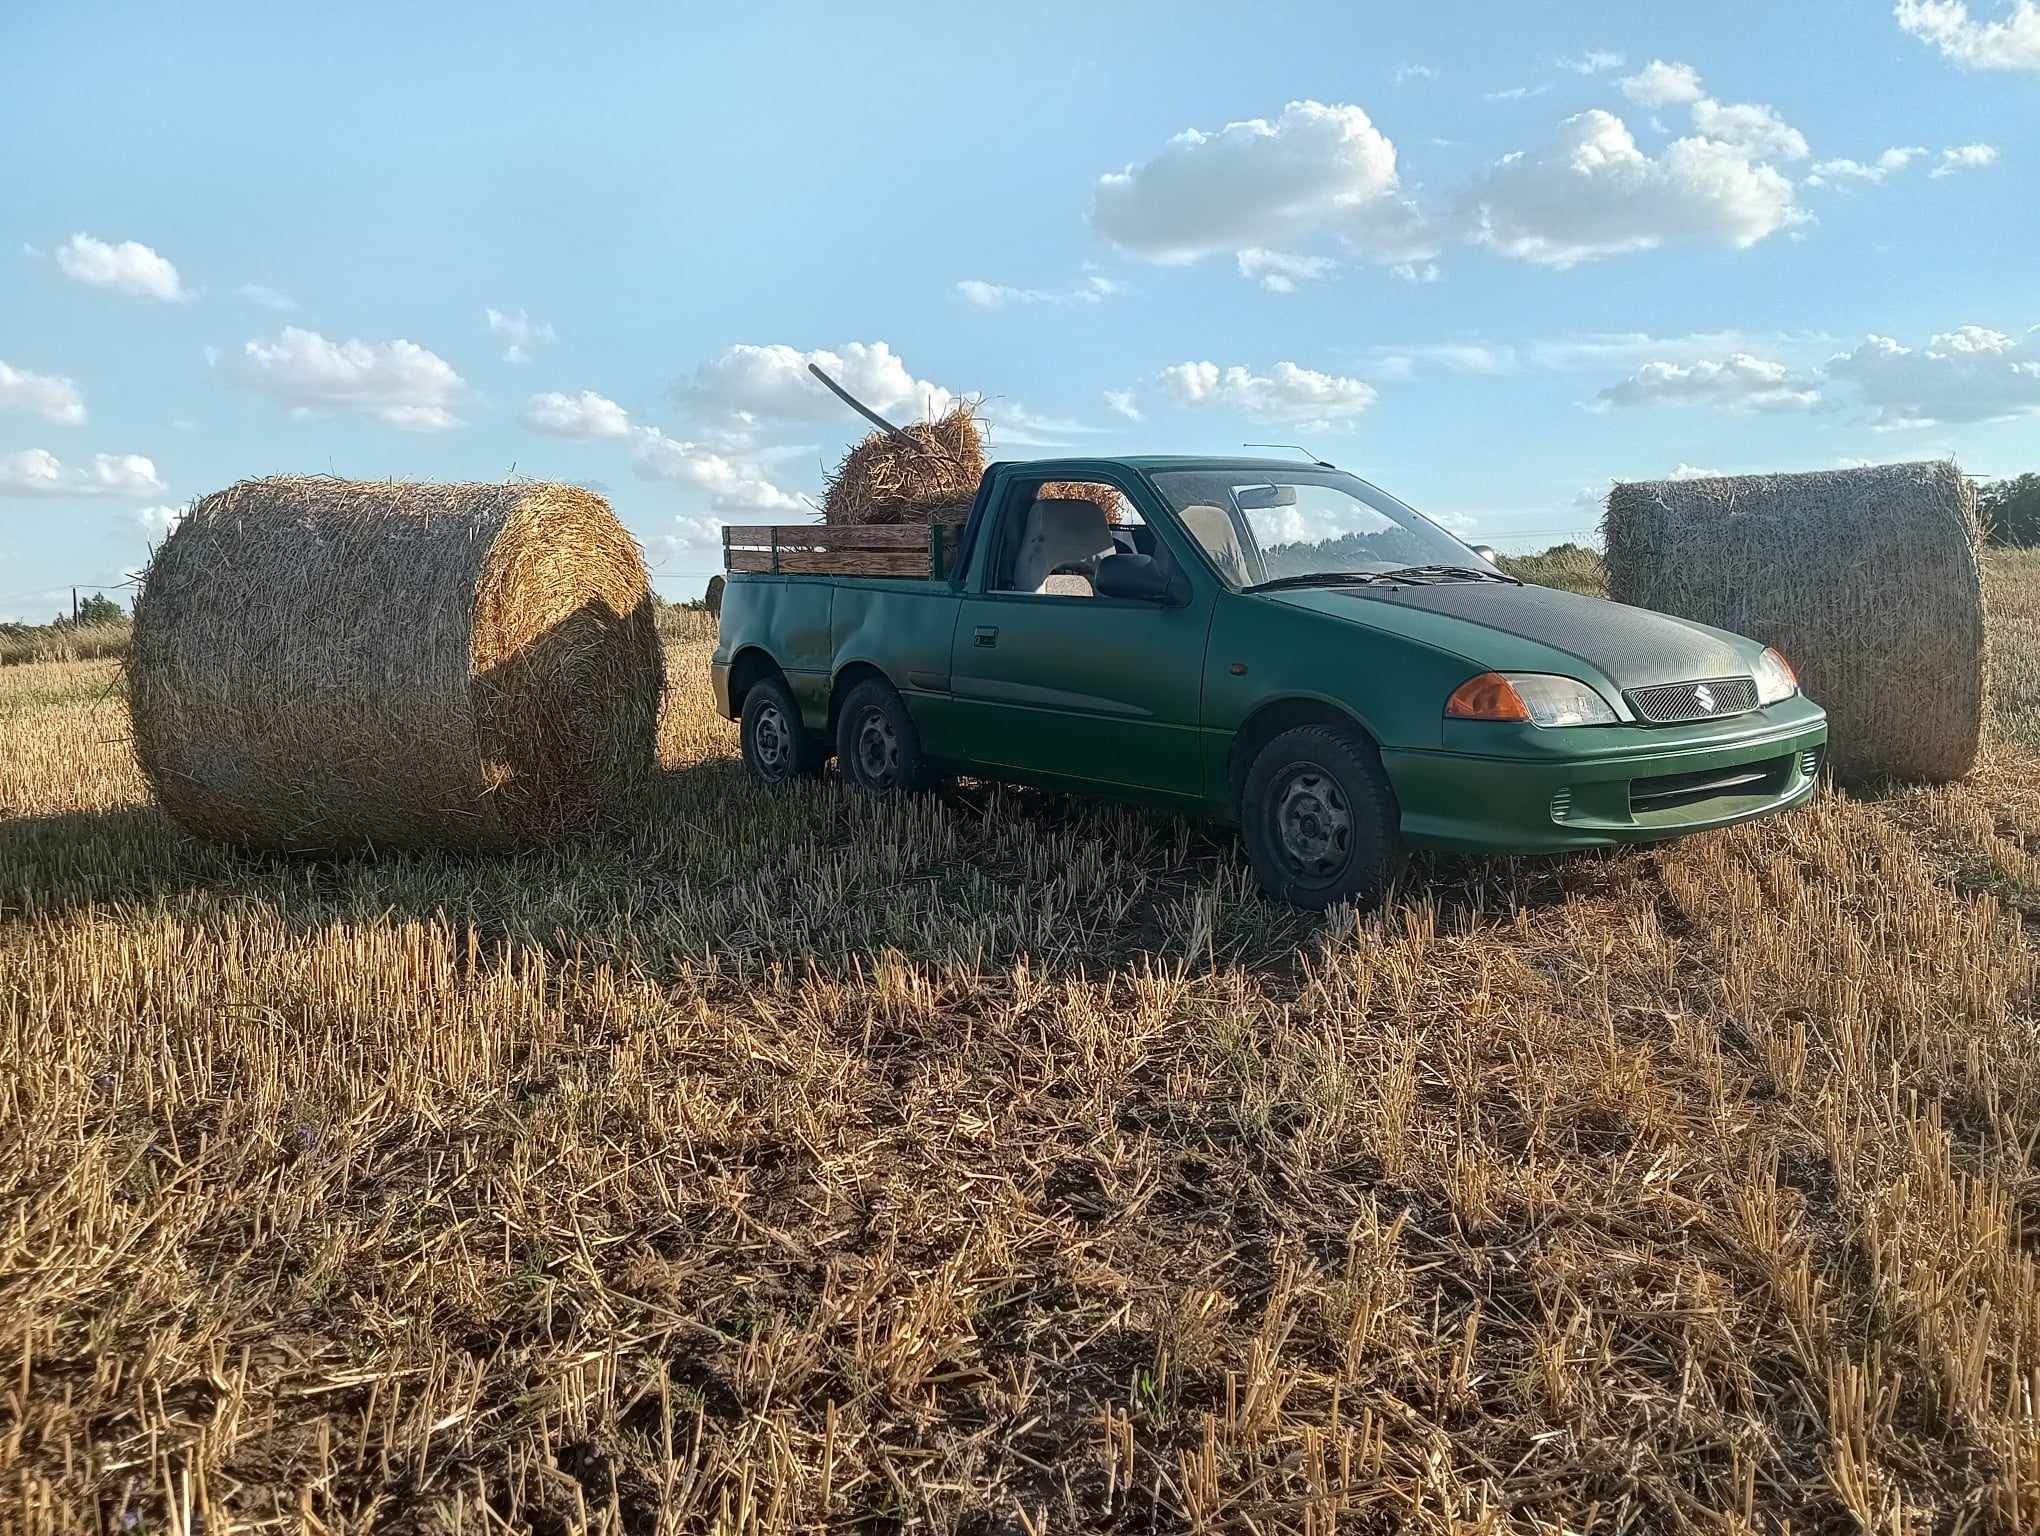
[[325, 663], [885, 480], [1082, 490], [1867, 579]]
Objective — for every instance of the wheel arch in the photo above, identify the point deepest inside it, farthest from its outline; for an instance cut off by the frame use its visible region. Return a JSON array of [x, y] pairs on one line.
[[846, 679], [1278, 715], [751, 665]]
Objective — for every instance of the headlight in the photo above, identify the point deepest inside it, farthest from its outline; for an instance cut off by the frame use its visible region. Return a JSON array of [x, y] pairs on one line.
[[1776, 681], [1538, 697]]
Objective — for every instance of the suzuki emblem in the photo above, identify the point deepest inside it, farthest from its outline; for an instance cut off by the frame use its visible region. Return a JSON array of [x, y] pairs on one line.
[[1704, 697]]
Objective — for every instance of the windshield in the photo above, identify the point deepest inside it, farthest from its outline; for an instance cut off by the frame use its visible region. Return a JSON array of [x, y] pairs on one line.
[[1302, 523]]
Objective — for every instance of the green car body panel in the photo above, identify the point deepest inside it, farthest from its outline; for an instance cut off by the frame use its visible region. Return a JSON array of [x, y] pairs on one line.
[[1165, 702]]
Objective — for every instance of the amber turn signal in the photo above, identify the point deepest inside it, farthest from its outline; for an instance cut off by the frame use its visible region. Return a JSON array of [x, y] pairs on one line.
[[1490, 696]]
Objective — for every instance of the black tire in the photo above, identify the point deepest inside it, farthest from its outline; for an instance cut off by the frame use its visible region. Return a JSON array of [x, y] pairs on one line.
[[1320, 820], [777, 748], [877, 746]]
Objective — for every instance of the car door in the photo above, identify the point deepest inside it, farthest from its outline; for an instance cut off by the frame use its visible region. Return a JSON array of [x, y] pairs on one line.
[[1055, 681]]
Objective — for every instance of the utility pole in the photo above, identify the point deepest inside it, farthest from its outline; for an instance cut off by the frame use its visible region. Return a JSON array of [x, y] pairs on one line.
[[74, 607]]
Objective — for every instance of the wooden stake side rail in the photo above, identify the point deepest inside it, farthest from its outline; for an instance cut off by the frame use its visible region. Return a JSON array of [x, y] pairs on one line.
[[920, 550]]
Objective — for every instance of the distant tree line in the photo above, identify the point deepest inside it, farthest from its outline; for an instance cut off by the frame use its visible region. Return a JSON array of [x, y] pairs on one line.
[[2010, 510]]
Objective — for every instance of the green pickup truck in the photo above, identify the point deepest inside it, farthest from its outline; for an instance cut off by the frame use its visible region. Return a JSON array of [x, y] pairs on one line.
[[1276, 644]]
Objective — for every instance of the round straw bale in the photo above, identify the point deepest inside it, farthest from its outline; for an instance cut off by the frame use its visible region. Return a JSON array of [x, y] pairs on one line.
[[324, 663], [1867, 579], [885, 480], [1082, 490]]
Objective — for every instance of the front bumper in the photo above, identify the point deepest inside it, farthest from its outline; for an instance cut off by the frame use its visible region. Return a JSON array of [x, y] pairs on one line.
[[1515, 789]]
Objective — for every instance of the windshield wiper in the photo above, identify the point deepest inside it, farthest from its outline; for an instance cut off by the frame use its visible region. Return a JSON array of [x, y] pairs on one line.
[[1321, 579], [1450, 573]]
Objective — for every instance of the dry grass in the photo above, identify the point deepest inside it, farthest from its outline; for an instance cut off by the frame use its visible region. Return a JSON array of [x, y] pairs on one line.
[[63, 642], [1000, 1163]]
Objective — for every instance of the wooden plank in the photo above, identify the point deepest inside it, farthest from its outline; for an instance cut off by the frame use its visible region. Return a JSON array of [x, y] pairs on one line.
[[832, 562], [825, 536]]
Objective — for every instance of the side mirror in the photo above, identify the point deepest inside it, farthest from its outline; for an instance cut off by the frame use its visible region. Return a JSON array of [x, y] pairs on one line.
[[1486, 552], [1136, 576]]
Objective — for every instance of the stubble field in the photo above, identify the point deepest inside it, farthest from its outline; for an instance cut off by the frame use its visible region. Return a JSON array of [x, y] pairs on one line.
[[1003, 1163]]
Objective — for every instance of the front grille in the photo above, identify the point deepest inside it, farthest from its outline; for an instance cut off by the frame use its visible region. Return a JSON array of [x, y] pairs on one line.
[[1672, 790], [1710, 698]]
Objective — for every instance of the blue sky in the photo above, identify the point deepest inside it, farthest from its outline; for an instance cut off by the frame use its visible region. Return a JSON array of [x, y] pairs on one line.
[[1490, 257]]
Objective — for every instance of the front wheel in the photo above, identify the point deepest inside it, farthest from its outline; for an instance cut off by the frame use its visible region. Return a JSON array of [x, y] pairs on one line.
[[1320, 819], [876, 743], [776, 747]]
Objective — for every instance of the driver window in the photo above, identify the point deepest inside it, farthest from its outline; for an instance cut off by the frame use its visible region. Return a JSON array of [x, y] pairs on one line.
[[1053, 548]]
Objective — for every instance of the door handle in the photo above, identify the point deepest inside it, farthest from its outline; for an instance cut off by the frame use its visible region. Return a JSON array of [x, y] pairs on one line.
[[988, 635]]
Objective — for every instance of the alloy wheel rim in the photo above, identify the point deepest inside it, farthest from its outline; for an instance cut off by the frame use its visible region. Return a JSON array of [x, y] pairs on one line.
[[878, 748], [1313, 824]]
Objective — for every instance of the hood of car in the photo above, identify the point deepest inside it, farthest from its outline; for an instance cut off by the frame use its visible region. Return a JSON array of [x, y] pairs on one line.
[[1631, 647]]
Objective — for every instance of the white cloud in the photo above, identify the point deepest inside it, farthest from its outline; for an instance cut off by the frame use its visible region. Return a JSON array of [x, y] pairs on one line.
[[1757, 130], [52, 398], [1740, 382], [1965, 375], [585, 415], [1889, 163], [1406, 71], [1593, 61], [1516, 92], [38, 472], [774, 382], [1419, 272], [398, 382], [1593, 193], [2010, 44], [1286, 393], [1659, 84], [1279, 272], [729, 484], [1965, 157], [268, 298], [1476, 357], [1121, 402], [157, 522], [1094, 289], [1249, 184], [1695, 472], [129, 267], [521, 330]]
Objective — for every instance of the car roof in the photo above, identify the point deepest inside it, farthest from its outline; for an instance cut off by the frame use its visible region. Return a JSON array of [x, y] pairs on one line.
[[1151, 463]]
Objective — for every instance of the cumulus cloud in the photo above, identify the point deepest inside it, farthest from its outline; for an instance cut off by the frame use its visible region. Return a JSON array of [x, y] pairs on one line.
[[1969, 374], [729, 484], [54, 399], [1286, 393], [1120, 401], [2010, 44], [1593, 61], [1592, 193], [1757, 130], [38, 472], [129, 267], [1094, 289], [268, 298], [586, 415], [520, 330], [1406, 72], [1659, 84], [1249, 184], [156, 522], [1890, 163], [1741, 382], [397, 382], [1278, 272], [774, 382], [1964, 157]]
